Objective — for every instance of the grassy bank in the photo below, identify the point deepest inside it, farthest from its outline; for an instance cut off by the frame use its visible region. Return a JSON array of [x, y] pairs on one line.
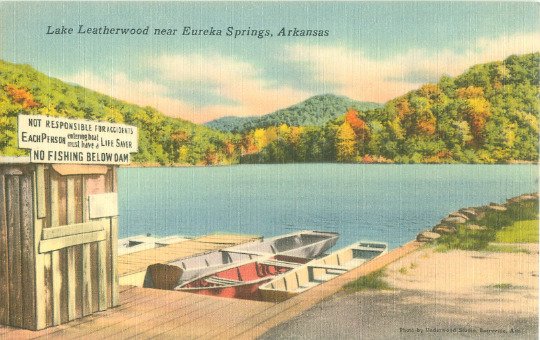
[[519, 232], [517, 224], [372, 281]]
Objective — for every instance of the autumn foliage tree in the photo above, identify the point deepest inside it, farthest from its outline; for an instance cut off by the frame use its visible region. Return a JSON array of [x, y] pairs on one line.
[[345, 143], [477, 110], [21, 96], [229, 148], [360, 127]]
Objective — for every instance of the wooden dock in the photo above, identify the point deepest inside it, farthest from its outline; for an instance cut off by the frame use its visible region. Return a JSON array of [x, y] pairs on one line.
[[132, 267], [147, 313]]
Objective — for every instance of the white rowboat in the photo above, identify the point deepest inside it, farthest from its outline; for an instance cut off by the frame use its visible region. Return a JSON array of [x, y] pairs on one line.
[[321, 270]]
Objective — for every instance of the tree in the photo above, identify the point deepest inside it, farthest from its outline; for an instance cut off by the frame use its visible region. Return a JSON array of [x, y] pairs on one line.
[[21, 96], [346, 143], [259, 138], [360, 127]]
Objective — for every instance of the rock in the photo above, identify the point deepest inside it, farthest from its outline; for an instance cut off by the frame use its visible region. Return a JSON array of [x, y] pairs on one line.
[[475, 227], [471, 213], [521, 198], [427, 236], [496, 207], [458, 214], [454, 220], [444, 229]]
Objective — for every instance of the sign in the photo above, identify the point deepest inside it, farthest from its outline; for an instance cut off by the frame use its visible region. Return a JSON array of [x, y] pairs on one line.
[[103, 205], [63, 140]]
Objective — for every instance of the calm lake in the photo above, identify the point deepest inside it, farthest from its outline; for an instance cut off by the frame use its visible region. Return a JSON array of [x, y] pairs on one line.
[[390, 203]]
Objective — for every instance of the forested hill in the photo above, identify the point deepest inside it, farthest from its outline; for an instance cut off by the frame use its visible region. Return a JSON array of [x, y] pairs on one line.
[[489, 114], [161, 139], [315, 111]]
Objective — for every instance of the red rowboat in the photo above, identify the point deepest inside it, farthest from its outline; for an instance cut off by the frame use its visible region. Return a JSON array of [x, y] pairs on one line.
[[242, 281]]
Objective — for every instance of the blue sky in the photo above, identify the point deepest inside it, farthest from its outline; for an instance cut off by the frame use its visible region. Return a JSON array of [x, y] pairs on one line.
[[374, 51]]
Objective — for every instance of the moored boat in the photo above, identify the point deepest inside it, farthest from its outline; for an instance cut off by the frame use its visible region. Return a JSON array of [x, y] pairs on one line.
[[242, 281], [304, 244], [138, 243], [320, 270]]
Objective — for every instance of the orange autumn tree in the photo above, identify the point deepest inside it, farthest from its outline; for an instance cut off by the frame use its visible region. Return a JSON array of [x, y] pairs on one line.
[[248, 144], [21, 96], [229, 148], [358, 125]]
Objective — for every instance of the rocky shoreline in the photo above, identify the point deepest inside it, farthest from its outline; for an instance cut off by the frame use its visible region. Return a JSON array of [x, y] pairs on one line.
[[450, 224]]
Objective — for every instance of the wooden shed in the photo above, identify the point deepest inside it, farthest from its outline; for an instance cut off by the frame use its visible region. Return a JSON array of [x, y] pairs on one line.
[[58, 237]]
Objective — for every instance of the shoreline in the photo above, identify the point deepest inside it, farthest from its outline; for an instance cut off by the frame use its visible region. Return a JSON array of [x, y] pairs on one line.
[[157, 165]]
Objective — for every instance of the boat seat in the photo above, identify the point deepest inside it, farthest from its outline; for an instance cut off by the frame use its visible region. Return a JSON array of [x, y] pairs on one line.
[[354, 263], [328, 267], [220, 280], [272, 262], [246, 252]]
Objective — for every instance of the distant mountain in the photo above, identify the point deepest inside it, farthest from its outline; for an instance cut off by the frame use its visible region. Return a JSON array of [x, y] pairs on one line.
[[315, 111], [230, 123]]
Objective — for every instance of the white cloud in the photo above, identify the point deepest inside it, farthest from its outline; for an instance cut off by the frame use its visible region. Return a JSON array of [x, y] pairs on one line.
[[363, 78], [240, 82], [145, 92]]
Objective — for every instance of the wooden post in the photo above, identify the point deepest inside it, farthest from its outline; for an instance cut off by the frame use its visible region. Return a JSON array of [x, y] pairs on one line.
[[4, 278]]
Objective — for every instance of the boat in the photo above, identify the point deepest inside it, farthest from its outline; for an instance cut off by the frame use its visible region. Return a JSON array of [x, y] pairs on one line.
[[138, 243], [135, 243], [321, 270], [304, 244], [242, 281]]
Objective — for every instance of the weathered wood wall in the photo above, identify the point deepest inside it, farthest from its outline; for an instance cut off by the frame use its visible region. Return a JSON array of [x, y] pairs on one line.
[[56, 264], [17, 308]]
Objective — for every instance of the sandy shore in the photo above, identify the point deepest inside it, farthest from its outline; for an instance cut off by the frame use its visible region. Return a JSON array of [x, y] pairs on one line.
[[435, 295]]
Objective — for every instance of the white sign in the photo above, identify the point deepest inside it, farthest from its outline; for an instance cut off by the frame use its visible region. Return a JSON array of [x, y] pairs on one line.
[[63, 140], [103, 205]]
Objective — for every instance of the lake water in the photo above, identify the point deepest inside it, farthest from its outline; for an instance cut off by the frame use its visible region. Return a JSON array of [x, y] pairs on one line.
[[390, 203]]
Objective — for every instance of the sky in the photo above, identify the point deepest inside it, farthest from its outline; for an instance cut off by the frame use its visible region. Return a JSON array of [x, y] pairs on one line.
[[374, 51]]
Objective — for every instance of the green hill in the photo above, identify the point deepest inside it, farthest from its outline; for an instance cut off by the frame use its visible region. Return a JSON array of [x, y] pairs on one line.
[[489, 114], [315, 111], [229, 123], [162, 139]]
